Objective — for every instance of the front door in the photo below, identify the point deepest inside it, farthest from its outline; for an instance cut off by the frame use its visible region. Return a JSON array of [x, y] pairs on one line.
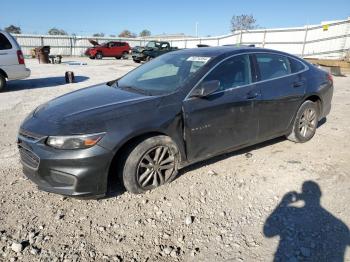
[[226, 118]]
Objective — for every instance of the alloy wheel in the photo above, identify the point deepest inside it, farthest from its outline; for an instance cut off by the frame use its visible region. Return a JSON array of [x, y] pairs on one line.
[[155, 167], [308, 122]]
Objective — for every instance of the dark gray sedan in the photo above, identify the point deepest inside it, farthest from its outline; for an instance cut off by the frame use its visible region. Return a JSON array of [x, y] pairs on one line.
[[180, 108]]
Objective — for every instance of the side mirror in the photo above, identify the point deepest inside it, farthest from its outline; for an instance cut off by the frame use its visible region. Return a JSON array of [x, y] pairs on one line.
[[206, 88]]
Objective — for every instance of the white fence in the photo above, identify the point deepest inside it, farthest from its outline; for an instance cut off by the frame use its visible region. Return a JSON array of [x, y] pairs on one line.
[[321, 41]]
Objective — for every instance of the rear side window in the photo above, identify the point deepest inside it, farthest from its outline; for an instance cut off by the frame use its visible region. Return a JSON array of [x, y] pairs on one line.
[[295, 65], [4, 42], [272, 66], [233, 72]]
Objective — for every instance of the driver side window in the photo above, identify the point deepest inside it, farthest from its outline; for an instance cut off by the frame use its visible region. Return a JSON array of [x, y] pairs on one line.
[[234, 72]]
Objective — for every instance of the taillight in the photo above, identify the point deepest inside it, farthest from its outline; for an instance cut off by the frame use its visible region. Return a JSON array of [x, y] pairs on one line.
[[330, 77], [20, 57]]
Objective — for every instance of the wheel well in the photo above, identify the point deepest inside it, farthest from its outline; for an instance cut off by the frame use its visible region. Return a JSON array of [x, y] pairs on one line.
[[316, 99], [3, 73], [120, 156]]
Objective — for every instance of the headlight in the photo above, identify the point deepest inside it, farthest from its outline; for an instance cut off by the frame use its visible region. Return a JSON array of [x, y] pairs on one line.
[[74, 142]]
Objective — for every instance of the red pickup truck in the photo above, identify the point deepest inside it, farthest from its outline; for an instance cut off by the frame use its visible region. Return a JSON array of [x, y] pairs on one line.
[[108, 49]]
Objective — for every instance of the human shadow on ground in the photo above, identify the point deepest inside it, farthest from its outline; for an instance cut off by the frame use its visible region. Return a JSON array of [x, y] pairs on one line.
[[308, 232], [17, 85]]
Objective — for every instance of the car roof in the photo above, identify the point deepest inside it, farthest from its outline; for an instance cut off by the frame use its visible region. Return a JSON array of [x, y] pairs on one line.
[[227, 51]]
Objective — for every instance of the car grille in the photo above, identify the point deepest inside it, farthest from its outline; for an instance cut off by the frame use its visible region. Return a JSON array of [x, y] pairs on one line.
[[29, 135], [28, 157]]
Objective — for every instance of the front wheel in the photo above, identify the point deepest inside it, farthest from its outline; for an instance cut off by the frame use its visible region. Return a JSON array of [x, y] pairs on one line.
[[99, 56], [150, 164], [2, 83], [305, 123]]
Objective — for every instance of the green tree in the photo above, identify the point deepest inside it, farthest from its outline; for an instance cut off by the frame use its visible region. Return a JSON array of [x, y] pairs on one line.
[[55, 31], [145, 32], [98, 35], [127, 33], [12, 29]]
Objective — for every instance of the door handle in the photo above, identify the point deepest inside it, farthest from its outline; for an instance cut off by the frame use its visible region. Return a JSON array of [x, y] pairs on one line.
[[298, 84], [252, 95]]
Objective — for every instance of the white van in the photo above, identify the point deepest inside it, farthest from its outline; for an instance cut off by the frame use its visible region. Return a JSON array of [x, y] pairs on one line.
[[12, 64]]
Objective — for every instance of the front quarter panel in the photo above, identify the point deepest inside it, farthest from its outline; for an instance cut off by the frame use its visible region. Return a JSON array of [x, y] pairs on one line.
[[155, 116]]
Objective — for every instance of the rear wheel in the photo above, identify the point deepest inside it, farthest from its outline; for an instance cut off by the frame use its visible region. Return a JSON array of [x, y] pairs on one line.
[[91, 57], [150, 164], [99, 55], [2, 83], [137, 61], [118, 57], [305, 123]]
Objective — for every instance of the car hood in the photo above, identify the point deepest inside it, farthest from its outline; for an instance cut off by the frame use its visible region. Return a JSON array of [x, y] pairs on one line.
[[137, 49], [93, 42], [83, 110]]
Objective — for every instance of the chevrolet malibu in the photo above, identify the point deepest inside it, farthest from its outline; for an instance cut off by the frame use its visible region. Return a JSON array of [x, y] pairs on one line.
[[180, 108]]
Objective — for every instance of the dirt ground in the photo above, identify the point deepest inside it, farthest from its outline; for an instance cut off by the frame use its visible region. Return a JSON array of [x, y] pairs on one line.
[[235, 207]]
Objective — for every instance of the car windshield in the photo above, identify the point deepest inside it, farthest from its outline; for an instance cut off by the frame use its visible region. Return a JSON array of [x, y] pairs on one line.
[[164, 74], [151, 44]]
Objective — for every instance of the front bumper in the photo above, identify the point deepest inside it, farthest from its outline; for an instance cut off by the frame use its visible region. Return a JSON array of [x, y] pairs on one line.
[[81, 173], [138, 56]]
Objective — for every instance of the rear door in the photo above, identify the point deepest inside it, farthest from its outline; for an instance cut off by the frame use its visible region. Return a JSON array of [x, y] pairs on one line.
[[8, 51], [227, 118], [282, 90], [117, 49]]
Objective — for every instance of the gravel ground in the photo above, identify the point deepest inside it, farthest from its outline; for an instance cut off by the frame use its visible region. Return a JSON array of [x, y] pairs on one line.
[[236, 207]]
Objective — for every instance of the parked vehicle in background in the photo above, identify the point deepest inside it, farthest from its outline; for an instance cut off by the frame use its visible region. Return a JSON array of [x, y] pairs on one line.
[[12, 65], [109, 49], [180, 108], [151, 50]]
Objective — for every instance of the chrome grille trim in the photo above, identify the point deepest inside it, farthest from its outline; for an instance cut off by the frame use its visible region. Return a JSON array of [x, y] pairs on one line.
[[28, 158]]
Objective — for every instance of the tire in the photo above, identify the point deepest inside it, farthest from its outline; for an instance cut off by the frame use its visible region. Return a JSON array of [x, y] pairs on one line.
[[118, 57], [91, 57], [137, 61], [151, 163], [2, 83], [305, 123], [148, 58], [99, 55]]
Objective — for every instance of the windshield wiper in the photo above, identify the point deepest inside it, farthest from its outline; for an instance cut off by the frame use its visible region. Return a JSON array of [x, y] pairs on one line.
[[134, 89]]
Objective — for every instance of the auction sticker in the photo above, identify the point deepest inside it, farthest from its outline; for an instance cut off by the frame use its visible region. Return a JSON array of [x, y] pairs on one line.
[[203, 59]]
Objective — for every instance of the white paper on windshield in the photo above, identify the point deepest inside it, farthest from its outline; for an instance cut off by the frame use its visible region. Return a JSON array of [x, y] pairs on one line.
[[203, 59]]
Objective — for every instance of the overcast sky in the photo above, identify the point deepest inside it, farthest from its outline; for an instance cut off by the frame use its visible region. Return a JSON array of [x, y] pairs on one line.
[[180, 16]]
